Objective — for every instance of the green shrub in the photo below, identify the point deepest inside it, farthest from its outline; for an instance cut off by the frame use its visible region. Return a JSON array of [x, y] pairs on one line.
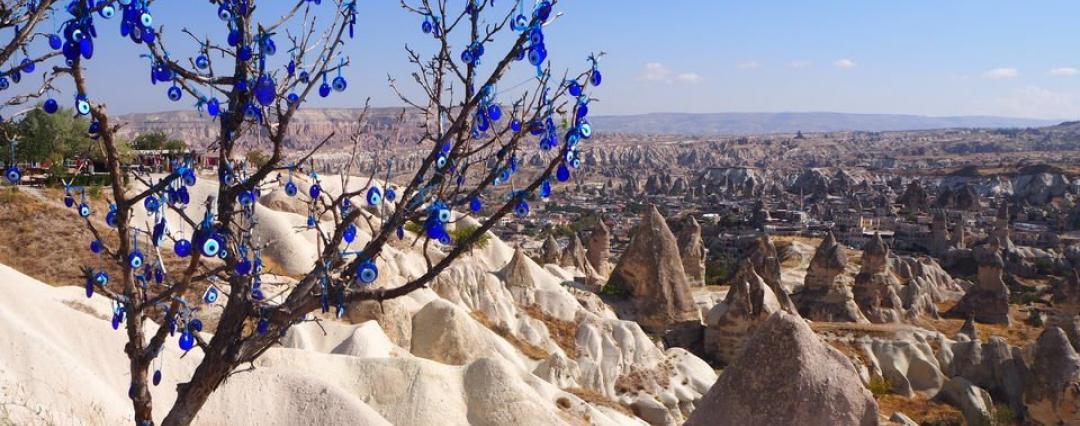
[[879, 386], [461, 233]]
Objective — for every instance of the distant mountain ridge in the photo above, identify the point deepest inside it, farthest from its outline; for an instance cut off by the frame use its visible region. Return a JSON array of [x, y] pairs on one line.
[[744, 123]]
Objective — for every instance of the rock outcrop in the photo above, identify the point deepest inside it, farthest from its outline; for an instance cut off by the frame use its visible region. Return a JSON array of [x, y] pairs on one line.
[[574, 255], [599, 248], [550, 252], [763, 257], [787, 375], [749, 302], [651, 271], [1052, 388], [988, 300], [827, 295], [876, 289], [692, 250]]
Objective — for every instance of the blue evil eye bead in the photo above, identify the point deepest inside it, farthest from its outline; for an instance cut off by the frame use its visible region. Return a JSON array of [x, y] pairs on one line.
[[290, 189], [86, 48], [374, 196], [268, 46], [293, 98], [391, 194], [543, 10], [101, 278], [84, 210], [69, 201], [211, 247], [50, 106], [213, 107], [367, 273], [339, 84], [195, 325], [426, 26], [265, 90], [304, 77], [146, 20], [324, 90], [158, 235], [224, 14], [574, 88], [82, 106], [202, 62], [4, 84], [586, 130], [522, 209], [243, 267], [117, 318], [211, 295], [187, 341], [257, 294], [189, 177], [537, 54], [443, 214], [246, 198], [135, 259], [519, 23], [13, 175], [27, 65], [262, 326], [182, 248], [467, 56], [311, 221], [349, 234], [174, 93], [441, 161], [89, 287], [55, 42], [596, 78], [494, 112], [475, 205], [545, 189], [314, 191], [400, 232], [157, 377], [110, 218], [96, 246], [159, 275], [152, 204], [107, 12], [563, 173], [234, 38], [515, 125]]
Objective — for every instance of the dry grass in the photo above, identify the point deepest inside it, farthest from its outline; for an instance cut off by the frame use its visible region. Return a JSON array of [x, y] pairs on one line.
[[921, 410], [594, 398], [564, 333], [1017, 333], [530, 350]]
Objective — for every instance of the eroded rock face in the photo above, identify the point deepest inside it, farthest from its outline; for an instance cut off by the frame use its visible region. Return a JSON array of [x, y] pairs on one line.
[[651, 271], [749, 302], [806, 382], [827, 294], [988, 300], [599, 248], [551, 252], [1067, 290], [1052, 388], [766, 262], [914, 198], [876, 290], [692, 250], [574, 255], [927, 285]]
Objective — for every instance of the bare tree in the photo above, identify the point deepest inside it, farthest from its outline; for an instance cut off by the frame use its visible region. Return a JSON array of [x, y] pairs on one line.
[[473, 141]]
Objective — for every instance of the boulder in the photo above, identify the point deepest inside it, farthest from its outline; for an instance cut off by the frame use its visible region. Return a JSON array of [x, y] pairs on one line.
[[651, 271], [973, 401], [806, 382], [876, 289], [692, 250], [827, 295], [1052, 388]]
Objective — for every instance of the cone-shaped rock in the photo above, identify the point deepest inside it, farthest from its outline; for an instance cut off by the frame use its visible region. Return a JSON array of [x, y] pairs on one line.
[[762, 255], [692, 250], [1052, 389], [749, 303], [574, 254], [517, 272], [599, 248], [876, 289], [787, 376], [988, 300], [550, 252], [827, 294], [651, 271]]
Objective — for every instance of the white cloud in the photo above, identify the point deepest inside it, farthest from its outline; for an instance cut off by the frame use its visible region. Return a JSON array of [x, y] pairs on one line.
[[1000, 73], [688, 77], [655, 71], [800, 64], [844, 63], [748, 65], [1064, 71]]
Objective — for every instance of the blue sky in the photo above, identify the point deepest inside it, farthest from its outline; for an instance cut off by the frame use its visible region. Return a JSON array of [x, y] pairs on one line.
[[915, 56]]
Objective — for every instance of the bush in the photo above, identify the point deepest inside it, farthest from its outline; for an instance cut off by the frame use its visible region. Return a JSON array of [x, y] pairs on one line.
[[1004, 416], [879, 386], [461, 232]]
